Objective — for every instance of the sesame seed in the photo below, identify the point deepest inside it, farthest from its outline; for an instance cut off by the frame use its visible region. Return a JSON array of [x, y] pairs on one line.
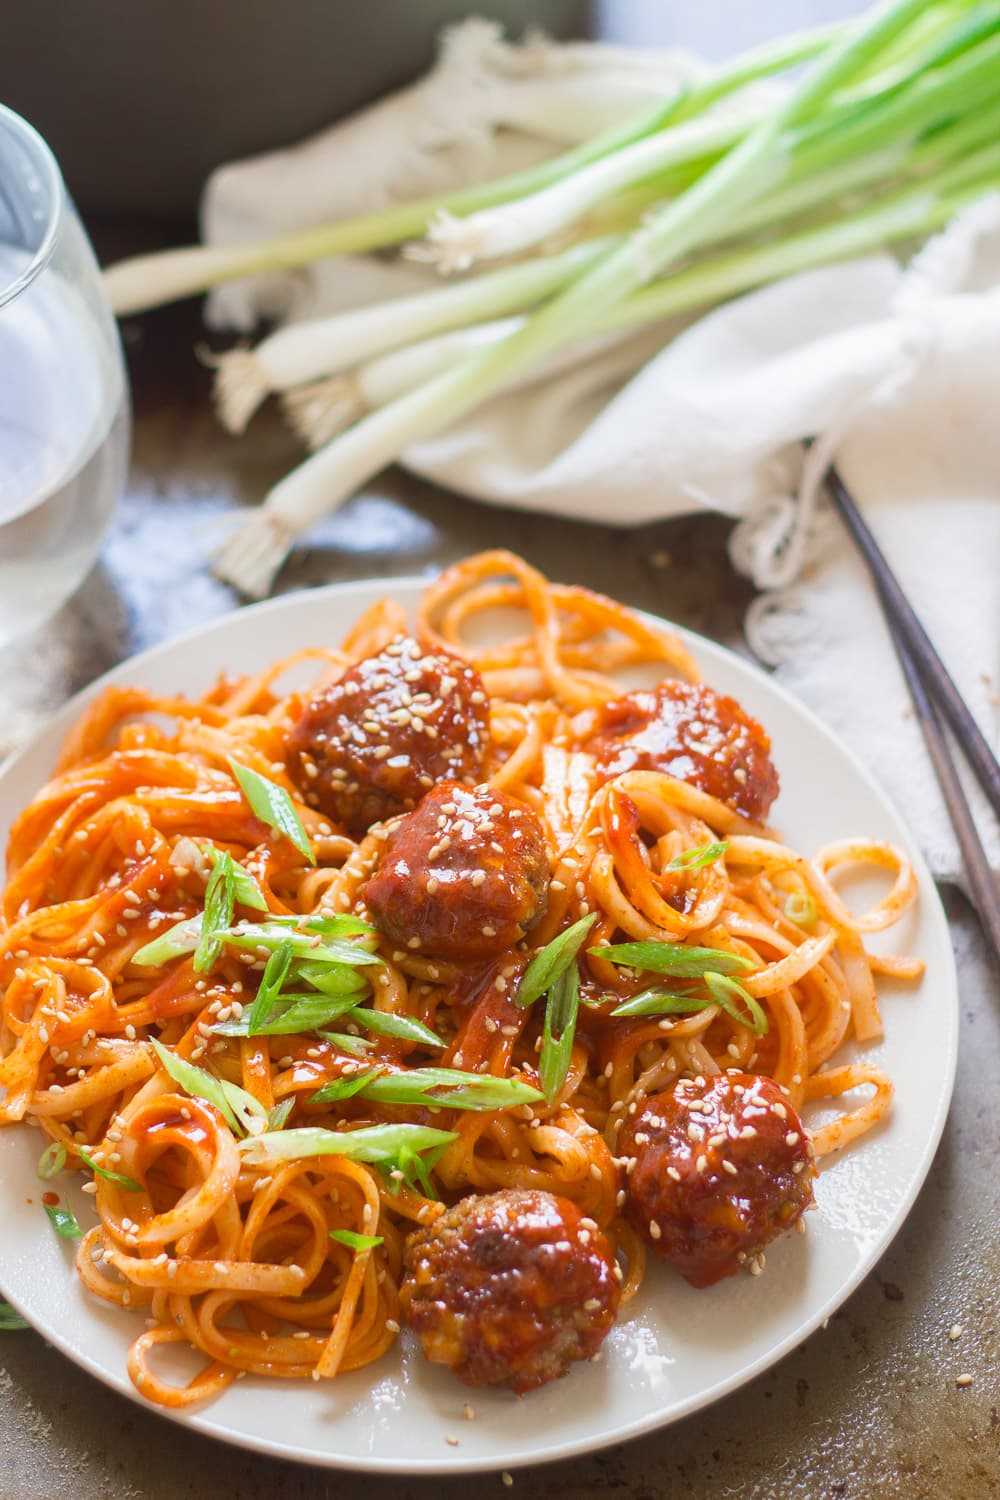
[[392, 1325], [506, 1478], [673, 1172], [654, 1230], [479, 878], [963, 1380], [955, 1332]]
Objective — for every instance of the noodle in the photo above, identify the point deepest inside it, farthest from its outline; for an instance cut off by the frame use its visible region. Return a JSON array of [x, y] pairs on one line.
[[239, 1256]]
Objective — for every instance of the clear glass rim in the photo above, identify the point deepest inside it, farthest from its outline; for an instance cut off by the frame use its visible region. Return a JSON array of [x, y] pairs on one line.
[[49, 170]]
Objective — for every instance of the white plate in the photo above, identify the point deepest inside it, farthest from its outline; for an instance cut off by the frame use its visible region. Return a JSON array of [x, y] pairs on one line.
[[676, 1349]]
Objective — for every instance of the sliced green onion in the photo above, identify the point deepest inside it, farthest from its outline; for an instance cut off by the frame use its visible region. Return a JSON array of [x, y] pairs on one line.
[[271, 981], [387, 1023], [273, 806], [63, 1220], [358, 1242], [727, 992], [698, 858], [678, 959], [199, 1083], [558, 1031], [438, 1088], [51, 1161], [176, 942], [118, 1178], [354, 1046], [332, 979], [660, 1003], [304, 945], [553, 960], [304, 1011], [801, 908], [247, 891], [11, 1321], [413, 1150], [341, 924], [277, 1117], [344, 1087], [220, 898]]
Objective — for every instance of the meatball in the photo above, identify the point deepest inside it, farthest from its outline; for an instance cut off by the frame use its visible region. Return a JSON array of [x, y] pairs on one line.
[[509, 1289], [370, 745], [464, 876], [719, 1168], [694, 734]]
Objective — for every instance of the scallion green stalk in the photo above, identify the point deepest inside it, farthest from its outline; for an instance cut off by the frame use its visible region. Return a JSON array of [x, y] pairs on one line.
[[325, 346]]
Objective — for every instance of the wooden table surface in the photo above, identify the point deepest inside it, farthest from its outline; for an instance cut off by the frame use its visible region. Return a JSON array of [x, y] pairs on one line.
[[868, 1408]]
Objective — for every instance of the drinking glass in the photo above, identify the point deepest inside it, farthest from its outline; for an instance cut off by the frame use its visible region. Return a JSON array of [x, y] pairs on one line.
[[64, 412]]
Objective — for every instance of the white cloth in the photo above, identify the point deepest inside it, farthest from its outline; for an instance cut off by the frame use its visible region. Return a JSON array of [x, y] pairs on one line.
[[894, 370]]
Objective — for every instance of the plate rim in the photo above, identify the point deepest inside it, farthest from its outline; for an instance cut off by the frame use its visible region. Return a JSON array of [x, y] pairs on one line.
[[198, 1419]]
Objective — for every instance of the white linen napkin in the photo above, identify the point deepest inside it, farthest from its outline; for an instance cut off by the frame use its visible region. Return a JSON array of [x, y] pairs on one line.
[[892, 368]]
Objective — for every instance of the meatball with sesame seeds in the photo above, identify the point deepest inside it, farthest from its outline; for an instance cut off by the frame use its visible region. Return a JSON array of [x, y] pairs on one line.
[[692, 733], [463, 876], [718, 1168], [510, 1288], [373, 743]]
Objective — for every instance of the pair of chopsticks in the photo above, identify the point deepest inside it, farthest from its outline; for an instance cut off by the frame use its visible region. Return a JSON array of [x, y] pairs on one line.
[[935, 698]]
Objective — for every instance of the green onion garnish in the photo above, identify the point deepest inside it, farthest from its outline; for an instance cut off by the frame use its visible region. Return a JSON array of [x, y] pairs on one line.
[[277, 1117], [118, 1178], [240, 1110], [344, 1087], [354, 1046], [63, 1220], [272, 805], [678, 959], [660, 1003], [246, 889], [387, 1023], [358, 1242], [274, 975], [699, 857], [296, 1011], [438, 1088], [727, 993], [11, 1321], [304, 945], [176, 942], [558, 1031], [51, 1161], [413, 1150], [553, 960], [220, 898], [801, 909]]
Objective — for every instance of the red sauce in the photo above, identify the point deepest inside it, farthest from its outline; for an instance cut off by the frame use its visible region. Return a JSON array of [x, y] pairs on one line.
[[51, 1199], [701, 1215], [372, 744], [510, 1288], [692, 733], [463, 876]]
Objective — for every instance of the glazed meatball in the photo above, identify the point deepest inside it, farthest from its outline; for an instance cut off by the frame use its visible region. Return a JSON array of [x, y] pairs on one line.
[[370, 745], [694, 734], [721, 1166], [464, 876], [511, 1288]]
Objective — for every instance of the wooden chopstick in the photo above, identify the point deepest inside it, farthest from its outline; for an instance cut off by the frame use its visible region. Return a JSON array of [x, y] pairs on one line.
[[926, 676], [907, 626]]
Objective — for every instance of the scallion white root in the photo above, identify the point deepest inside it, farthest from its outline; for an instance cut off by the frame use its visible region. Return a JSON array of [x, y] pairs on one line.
[[321, 409], [327, 346]]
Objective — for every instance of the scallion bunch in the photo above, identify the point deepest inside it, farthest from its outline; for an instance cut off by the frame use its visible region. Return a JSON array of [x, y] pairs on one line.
[[887, 125]]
